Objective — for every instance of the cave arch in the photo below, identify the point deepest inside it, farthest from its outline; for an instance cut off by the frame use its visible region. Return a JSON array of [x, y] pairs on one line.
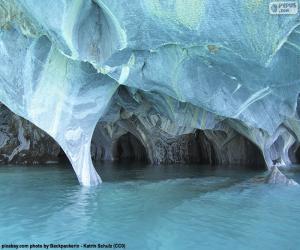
[[209, 147], [22, 142], [231, 148], [129, 148]]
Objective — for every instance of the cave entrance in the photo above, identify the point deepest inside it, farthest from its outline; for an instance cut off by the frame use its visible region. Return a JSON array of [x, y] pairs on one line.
[[294, 153], [229, 149], [297, 155], [62, 157], [129, 148]]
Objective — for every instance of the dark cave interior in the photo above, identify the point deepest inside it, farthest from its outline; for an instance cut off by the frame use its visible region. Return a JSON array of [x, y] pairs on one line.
[[129, 148]]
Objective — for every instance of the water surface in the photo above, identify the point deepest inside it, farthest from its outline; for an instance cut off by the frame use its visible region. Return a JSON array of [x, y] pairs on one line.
[[175, 207]]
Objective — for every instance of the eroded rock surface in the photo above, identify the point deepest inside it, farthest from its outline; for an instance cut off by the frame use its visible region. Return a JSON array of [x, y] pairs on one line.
[[159, 70], [277, 177], [23, 143]]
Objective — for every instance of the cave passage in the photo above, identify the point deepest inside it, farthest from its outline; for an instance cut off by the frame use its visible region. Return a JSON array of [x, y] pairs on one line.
[[129, 148], [62, 157], [296, 154], [217, 148]]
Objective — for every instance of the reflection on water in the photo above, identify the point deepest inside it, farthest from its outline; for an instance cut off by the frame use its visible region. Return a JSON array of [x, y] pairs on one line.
[[174, 207]]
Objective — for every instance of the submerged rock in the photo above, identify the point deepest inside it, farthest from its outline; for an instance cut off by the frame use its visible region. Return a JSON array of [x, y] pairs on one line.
[[276, 177]]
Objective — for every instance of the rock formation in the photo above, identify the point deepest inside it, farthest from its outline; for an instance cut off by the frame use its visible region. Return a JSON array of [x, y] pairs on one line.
[[193, 81], [23, 143], [276, 177]]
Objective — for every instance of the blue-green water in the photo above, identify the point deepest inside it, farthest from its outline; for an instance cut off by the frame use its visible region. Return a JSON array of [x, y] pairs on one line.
[[171, 207]]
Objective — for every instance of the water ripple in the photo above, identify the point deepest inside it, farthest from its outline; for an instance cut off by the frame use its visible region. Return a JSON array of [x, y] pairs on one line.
[[208, 211]]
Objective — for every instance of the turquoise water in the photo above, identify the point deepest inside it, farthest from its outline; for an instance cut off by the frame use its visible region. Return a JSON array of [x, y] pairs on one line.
[[171, 207]]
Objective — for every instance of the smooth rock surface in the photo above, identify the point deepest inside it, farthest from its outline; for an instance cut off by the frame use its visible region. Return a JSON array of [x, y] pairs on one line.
[[155, 69], [276, 177]]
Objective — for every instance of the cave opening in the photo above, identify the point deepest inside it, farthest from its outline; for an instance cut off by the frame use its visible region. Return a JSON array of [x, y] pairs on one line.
[[212, 148], [218, 148], [254, 158], [129, 148], [199, 149], [295, 153], [62, 157]]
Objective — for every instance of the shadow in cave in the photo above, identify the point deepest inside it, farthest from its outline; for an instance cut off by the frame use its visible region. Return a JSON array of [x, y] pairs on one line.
[[188, 156], [297, 155], [129, 160], [189, 153], [219, 149], [42, 149], [294, 154], [63, 158], [129, 149]]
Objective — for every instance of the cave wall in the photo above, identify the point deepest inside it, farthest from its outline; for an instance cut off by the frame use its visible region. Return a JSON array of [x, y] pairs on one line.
[[24, 143], [157, 70], [173, 136], [208, 147], [21, 142]]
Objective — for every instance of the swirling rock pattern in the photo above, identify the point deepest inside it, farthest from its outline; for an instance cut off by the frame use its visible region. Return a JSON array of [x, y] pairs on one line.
[[226, 66], [23, 143]]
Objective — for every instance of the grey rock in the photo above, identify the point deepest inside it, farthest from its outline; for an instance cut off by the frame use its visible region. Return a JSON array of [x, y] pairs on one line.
[[277, 177], [159, 70], [21, 142]]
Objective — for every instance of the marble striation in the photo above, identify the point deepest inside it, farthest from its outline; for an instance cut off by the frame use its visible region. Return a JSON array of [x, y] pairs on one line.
[[171, 73]]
